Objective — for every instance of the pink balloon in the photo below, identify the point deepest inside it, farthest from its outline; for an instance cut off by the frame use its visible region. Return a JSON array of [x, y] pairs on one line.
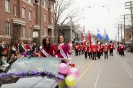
[[73, 71], [63, 68]]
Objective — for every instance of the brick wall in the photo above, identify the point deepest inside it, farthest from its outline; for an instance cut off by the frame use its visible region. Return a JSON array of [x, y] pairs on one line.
[[34, 8], [127, 34]]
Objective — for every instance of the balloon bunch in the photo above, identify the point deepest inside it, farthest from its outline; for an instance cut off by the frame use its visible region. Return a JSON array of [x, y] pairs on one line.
[[71, 74]]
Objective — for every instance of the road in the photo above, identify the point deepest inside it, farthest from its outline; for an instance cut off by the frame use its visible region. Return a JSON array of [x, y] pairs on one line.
[[114, 72]]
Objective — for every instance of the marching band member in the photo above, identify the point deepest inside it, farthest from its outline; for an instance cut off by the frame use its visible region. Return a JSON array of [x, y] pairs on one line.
[[86, 51], [94, 50], [106, 49], [111, 47], [102, 47], [122, 48], [90, 52], [98, 50]]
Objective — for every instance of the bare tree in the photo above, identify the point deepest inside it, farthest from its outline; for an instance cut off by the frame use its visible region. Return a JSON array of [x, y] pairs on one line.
[[62, 13]]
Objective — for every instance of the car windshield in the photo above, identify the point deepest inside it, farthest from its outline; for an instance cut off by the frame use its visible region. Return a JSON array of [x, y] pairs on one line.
[[34, 63]]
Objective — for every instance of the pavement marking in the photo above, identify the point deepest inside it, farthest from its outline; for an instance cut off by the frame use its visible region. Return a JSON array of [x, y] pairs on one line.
[[127, 71], [80, 64], [86, 70], [98, 75]]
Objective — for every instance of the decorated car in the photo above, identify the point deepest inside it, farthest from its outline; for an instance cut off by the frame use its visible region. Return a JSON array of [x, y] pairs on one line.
[[39, 72]]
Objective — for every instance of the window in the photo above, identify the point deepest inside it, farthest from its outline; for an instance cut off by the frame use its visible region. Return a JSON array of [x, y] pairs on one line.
[[45, 32], [30, 32], [44, 3], [14, 10], [30, 15], [7, 5], [23, 12], [45, 17], [29, 1], [52, 20], [34, 13], [52, 7], [23, 31], [7, 28]]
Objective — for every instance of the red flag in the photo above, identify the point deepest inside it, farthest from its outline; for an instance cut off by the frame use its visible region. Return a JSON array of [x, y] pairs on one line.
[[89, 38], [84, 37]]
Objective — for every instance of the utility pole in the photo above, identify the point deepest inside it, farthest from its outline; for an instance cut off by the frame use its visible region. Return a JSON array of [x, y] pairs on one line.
[[40, 22], [124, 28], [71, 28], [118, 32], [128, 5], [121, 31]]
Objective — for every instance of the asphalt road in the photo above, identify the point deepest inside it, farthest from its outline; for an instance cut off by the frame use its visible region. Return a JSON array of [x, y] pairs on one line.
[[114, 72]]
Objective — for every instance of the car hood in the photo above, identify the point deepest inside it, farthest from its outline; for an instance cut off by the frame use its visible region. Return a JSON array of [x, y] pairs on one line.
[[29, 82]]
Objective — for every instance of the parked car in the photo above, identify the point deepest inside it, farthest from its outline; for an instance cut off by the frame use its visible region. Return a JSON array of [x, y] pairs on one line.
[[32, 63]]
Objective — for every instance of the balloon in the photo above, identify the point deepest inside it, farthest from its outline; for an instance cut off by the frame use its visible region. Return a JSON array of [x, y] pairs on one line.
[[63, 68], [75, 86], [74, 72], [70, 80]]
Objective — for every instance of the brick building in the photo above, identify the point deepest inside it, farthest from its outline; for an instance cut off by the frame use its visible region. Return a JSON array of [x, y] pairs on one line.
[[127, 35], [19, 20]]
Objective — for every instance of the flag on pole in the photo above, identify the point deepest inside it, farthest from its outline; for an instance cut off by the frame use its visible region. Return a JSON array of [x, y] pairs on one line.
[[105, 36], [99, 35], [89, 38], [84, 36]]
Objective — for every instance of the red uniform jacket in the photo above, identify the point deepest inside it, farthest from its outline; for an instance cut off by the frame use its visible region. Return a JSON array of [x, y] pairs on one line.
[[86, 49], [52, 51], [106, 48], [111, 46], [94, 48]]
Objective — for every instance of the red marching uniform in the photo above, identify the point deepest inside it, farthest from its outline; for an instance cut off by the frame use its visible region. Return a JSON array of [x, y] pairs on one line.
[[94, 51], [106, 49]]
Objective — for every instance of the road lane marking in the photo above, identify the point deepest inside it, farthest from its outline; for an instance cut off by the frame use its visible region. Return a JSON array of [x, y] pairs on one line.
[[127, 71], [86, 70], [98, 75], [80, 64]]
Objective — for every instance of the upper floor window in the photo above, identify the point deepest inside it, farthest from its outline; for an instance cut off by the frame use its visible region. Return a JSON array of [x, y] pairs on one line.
[[29, 1], [23, 12], [14, 9], [44, 3], [30, 15], [52, 7], [7, 28], [23, 31], [52, 20], [30, 32], [7, 5], [45, 18]]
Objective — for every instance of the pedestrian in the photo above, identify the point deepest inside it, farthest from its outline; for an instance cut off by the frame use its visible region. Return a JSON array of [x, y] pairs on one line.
[[106, 49], [47, 49]]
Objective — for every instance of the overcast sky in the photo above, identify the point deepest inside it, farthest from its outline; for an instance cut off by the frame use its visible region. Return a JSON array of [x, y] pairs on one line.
[[101, 17]]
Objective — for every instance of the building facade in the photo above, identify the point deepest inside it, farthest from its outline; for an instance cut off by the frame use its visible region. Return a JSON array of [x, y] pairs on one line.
[[20, 19], [66, 32], [127, 35]]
